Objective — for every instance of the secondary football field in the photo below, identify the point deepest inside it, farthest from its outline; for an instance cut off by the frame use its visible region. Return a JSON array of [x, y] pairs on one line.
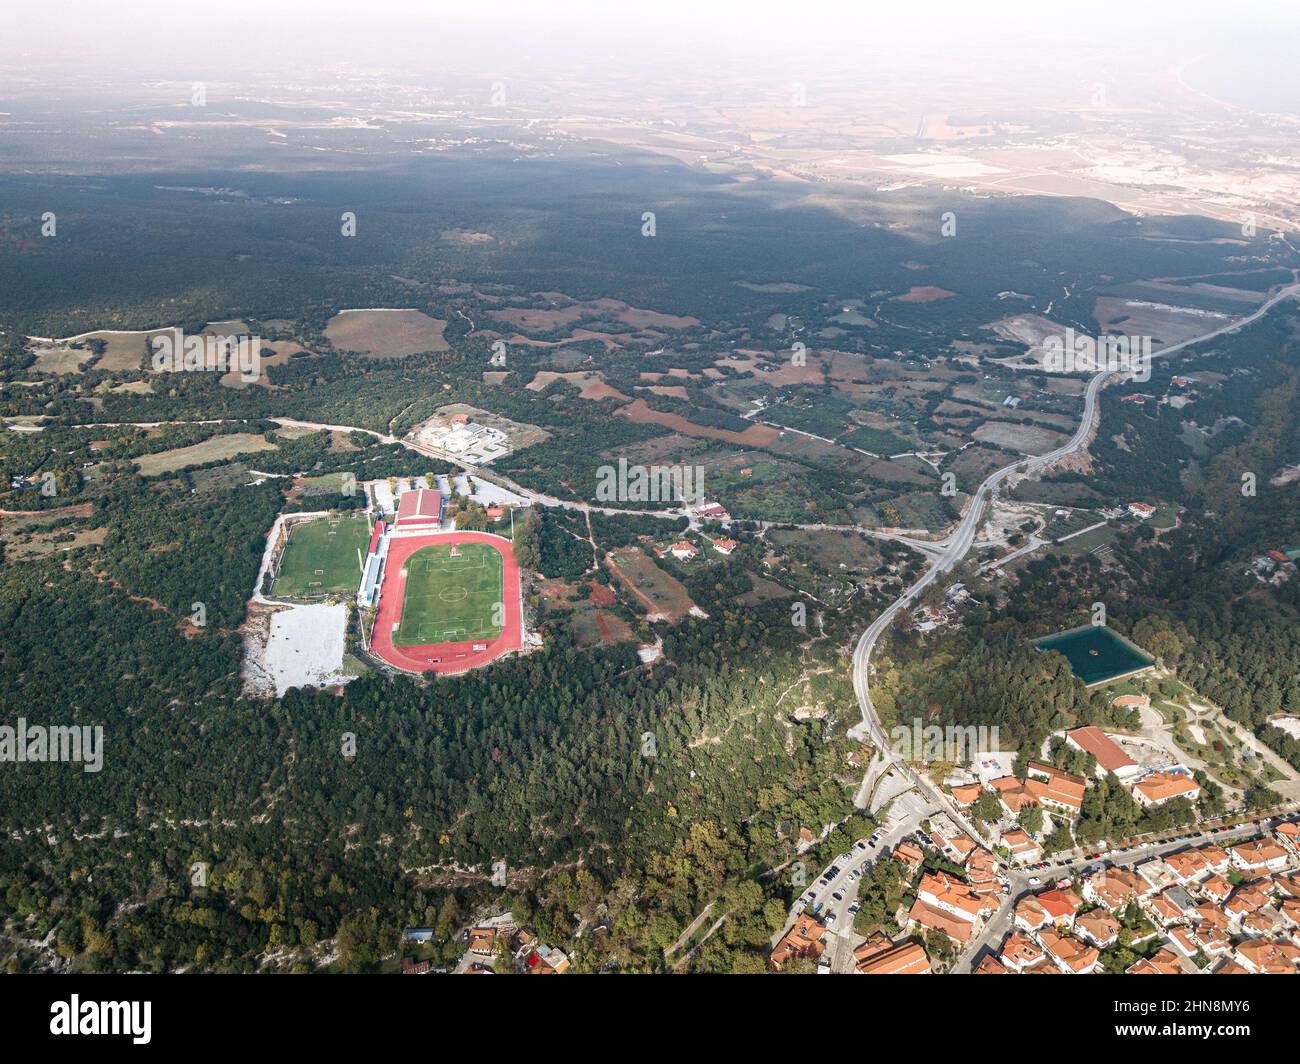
[[451, 599], [320, 558]]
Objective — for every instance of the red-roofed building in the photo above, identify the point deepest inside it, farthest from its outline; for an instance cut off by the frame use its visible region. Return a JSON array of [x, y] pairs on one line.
[[1110, 758], [421, 508], [905, 959]]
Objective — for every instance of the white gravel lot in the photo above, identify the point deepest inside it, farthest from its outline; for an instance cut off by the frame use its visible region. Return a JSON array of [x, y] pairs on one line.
[[306, 647]]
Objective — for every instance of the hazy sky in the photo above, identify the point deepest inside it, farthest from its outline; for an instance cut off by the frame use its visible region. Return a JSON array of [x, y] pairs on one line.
[[172, 35]]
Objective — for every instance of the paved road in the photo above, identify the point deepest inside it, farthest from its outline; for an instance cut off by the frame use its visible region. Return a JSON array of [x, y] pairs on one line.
[[958, 543], [905, 816], [1020, 881]]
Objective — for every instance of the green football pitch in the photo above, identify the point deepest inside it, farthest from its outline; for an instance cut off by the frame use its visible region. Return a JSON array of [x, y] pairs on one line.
[[451, 600], [320, 558]]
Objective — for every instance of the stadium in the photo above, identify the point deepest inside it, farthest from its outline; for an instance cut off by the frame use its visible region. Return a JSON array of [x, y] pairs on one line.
[[445, 602]]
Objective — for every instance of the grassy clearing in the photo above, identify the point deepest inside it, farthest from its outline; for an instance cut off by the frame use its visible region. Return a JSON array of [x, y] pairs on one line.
[[216, 449]]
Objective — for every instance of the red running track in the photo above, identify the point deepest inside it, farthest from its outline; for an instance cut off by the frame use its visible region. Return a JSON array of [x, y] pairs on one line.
[[452, 657]]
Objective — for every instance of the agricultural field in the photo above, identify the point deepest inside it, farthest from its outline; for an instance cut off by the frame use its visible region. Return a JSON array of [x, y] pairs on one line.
[[658, 592], [451, 599], [828, 549], [386, 333], [1072, 521], [320, 559], [26, 536], [215, 449], [59, 358], [1027, 439]]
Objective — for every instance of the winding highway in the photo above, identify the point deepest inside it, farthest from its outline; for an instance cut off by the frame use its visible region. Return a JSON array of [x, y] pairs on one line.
[[958, 543]]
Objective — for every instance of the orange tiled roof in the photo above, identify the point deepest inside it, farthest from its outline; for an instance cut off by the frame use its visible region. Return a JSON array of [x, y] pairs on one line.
[[948, 891], [1159, 786], [1060, 787], [1099, 925], [1165, 962], [802, 940], [1021, 952], [909, 853], [1189, 864], [1069, 951], [1216, 887], [1115, 886], [907, 959], [1272, 956], [1102, 747], [1258, 852], [935, 919]]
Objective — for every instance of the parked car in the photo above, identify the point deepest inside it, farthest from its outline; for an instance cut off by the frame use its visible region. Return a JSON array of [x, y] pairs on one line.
[[838, 895], [1034, 881], [830, 919]]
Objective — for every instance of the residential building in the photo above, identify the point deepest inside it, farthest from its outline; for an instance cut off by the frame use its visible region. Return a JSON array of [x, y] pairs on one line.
[[948, 905], [1098, 927], [1190, 866], [1069, 954], [1156, 874], [805, 939], [1288, 834], [1171, 906], [1216, 889], [910, 854], [1259, 855], [1021, 847], [1055, 789], [482, 940], [905, 959], [1157, 788], [1165, 962], [1021, 954], [1265, 957], [1113, 888], [547, 960]]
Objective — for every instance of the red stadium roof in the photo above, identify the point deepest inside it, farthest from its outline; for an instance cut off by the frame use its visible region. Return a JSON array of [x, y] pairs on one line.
[[375, 536], [419, 506]]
